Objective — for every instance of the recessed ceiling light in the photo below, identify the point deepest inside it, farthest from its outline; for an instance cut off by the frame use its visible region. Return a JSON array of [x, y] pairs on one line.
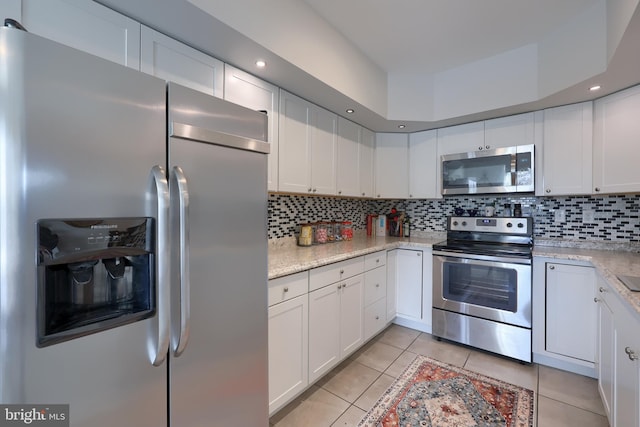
[[260, 63], [350, 110], [401, 126], [594, 88]]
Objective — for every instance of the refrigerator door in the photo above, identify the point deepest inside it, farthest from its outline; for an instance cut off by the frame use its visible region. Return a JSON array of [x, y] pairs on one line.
[[220, 376], [78, 139]]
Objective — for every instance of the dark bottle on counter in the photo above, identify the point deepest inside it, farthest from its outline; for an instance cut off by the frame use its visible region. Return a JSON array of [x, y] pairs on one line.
[[517, 210]]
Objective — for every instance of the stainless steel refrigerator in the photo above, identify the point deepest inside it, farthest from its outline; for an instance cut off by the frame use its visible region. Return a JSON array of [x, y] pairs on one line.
[[133, 244]]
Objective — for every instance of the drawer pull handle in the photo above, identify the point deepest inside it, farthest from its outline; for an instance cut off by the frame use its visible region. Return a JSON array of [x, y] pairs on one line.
[[632, 354], [596, 300], [341, 271], [377, 260], [377, 285], [377, 317], [286, 289], [601, 289], [551, 267]]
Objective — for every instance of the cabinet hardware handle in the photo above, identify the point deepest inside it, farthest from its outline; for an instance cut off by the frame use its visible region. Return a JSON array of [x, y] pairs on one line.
[[597, 188], [341, 271], [377, 260], [596, 299], [340, 286], [601, 289], [487, 146], [314, 190], [363, 194], [309, 190], [410, 195], [551, 267], [418, 254], [480, 148], [377, 317], [339, 191], [548, 190], [378, 196], [377, 285], [286, 289], [632, 354]]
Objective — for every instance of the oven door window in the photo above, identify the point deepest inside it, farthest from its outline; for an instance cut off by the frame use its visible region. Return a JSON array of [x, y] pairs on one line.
[[482, 285]]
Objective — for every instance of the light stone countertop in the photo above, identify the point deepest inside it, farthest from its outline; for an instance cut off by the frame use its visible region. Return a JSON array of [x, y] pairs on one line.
[[285, 257]]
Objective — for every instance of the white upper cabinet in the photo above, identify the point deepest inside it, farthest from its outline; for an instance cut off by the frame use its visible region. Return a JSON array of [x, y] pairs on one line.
[[461, 138], [348, 175], [249, 91], [567, 150], [168, 59], [307, 147], [366, 161], [423, 157], [509, 131], [85, 25], [392, 165], [616, 143]]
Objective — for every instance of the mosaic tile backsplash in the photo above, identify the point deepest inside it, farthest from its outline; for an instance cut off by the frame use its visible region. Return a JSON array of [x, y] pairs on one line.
[[616, 218]]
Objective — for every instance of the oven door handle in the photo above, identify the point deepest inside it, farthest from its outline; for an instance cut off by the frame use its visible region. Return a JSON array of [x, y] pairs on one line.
[[490, 258]]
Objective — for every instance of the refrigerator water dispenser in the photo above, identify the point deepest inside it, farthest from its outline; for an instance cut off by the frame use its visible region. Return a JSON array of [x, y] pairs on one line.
[[93, 274]]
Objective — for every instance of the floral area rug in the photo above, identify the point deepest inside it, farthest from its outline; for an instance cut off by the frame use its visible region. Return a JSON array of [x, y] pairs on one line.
[[432, 393]]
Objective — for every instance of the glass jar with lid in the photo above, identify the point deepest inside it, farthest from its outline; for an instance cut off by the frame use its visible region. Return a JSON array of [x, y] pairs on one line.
[[337, 230], [347, 230], [321, 233]]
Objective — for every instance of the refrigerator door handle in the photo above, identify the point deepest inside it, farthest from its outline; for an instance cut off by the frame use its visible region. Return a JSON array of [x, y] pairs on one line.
[[179, 189], [158, 204]]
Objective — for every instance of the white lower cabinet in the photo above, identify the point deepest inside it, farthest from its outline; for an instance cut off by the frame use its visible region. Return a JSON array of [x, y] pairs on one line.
[[409, 285], [375, 293], [335, 324], [288, 339], [564, 315], [618, 358]]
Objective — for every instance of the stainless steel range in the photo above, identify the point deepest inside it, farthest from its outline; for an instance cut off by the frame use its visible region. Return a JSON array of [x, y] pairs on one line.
[[482, 284]]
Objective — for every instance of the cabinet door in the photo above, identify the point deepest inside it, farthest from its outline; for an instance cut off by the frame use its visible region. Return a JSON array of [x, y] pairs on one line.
[[324, 326], [168, 59], [408, 280], [365, 162], [249, 91], [615, 143], [347, 173], [294, 154], [392, 165], [627, 367], [567, 156], [324, 140], [604, 354], [87, 26], [288, 350], [423, 155], [571, 315], [509, 131], [461, 138], [351, 328], [392, 290]]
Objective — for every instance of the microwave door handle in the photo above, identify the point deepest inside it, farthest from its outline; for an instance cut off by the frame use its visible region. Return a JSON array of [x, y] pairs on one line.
[[180, 190], [158, 345]]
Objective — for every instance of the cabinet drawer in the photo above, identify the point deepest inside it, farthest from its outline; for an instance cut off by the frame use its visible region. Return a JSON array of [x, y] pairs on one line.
[[325, 275], [374, 318], [375, 285], [374, 260], [287, 287]]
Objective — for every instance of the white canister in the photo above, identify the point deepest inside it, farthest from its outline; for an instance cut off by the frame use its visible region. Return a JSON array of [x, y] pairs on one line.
[[381, 226], [489, 211]]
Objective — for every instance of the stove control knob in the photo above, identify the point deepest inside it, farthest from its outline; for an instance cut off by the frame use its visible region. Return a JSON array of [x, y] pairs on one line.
[[520, 225], [464, 223], [455, 223], [509, 225]]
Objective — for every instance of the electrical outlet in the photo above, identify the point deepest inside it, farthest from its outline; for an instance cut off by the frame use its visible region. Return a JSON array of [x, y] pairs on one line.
[[560, 215], [588, 216]]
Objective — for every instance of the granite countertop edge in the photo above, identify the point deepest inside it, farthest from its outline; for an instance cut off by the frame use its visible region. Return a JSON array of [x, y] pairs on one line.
[[609, 259]]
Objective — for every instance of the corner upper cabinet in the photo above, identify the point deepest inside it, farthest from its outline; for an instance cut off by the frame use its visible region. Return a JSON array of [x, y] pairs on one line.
[[616, 139], [251, 92], [568, 140], [83, 25], [392, 166], [423, 157], [509, 131], [366, 151], [307, 147], [168, 59], [347, 173]]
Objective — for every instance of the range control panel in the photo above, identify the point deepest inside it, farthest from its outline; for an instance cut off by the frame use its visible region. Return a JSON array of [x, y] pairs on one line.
[[492, 224]]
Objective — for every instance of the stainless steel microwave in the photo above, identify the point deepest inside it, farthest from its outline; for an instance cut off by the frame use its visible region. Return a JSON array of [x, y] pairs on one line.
[[502, 170]]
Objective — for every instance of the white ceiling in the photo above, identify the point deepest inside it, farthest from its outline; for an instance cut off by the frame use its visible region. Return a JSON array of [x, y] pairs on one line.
[[322, 49], [428, 36]]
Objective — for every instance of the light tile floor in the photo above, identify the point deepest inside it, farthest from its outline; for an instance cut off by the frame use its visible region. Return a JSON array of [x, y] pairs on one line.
[[344, 395]]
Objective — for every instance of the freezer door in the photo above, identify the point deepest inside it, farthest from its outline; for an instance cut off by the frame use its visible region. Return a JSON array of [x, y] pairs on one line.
[[78, 139], [220, 377]]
